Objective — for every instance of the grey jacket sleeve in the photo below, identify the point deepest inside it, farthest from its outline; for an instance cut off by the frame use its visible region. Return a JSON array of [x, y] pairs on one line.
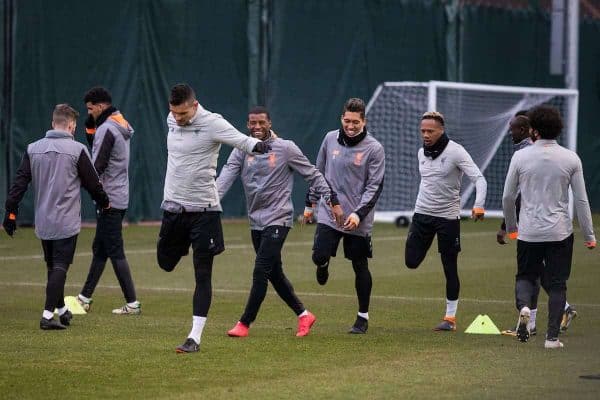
[[311, 196], [230, 171], [509, 197], [224, 132], [582, 205], [318, 185], [374, 184], [467, 165]]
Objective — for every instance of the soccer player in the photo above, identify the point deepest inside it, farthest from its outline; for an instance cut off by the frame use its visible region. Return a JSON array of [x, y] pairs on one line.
[[268, 181], [442, 163], [543, 173], [519, 131], [191, 207], [353, 163], [58, 166], [110, 135]]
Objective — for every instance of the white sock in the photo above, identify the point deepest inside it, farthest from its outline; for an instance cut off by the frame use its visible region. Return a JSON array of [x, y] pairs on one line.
[[567, 305], [451, 306], [305, 312], [47, 314], [85, 299], [532, 316], [62, 310], [364, 315], [197, 327], [135, 304]]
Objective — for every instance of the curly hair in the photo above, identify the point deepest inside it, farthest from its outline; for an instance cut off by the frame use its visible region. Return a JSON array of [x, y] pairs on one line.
[[546, 120]]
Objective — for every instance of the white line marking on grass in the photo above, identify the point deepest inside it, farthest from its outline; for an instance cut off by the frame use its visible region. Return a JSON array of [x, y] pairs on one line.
[[314, 294], [240, 246]]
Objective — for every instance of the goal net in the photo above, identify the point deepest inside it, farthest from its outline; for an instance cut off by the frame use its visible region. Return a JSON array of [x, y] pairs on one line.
[[477, 117]]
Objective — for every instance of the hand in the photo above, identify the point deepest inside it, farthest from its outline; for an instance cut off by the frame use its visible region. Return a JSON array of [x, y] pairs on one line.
[[477, 214], [591, 244], [338, 214], [307, 217], [351, 222], [501, 236], [10, 223], [261, 147]]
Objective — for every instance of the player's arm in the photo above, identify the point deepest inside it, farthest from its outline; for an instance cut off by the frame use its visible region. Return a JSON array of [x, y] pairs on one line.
[[224, 132], [311, 197], [469, 168], [90, 181], [101, 149], [298, 162], [15, 195], [372, 190], [509, 197], [230, 171], [582, 206]]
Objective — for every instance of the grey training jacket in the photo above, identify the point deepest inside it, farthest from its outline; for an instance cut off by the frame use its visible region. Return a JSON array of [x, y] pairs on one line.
[[110, 154], [355, 174], [58, 167], [268, 180], [543, 172]]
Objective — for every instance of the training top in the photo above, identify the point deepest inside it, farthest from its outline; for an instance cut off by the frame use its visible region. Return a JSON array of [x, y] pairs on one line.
[[268, 180], [58, 167], [110, 155], [192, 161], [439, 191], [543, 173], [355, 174]]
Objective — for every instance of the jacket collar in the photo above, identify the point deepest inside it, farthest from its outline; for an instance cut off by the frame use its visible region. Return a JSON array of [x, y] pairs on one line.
[[57, 134]]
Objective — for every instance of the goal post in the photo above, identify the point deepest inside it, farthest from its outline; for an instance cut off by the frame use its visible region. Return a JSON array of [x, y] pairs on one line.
[[477, 117]]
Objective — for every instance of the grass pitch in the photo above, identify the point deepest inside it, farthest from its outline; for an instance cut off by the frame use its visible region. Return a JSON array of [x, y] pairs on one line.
[[107, 356]]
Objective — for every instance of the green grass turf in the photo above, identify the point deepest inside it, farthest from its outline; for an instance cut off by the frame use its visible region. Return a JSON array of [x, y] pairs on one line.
[[106, 356]]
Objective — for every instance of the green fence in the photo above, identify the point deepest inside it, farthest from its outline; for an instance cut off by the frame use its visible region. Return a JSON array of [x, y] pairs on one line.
[[300, 58]]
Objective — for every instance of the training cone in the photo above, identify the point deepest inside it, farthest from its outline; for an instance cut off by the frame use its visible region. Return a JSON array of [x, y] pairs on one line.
[[73, 305], [483, 325]]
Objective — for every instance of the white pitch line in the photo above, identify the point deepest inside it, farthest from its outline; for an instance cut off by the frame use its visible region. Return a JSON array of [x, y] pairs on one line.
[[236, 246], [314, 294]]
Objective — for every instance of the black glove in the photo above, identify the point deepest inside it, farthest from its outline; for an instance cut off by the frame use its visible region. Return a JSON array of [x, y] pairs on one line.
[[261, 148], [90, 126], [10, 222]]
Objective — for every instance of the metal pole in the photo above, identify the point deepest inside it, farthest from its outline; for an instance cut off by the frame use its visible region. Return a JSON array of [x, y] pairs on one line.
[[572, 44]]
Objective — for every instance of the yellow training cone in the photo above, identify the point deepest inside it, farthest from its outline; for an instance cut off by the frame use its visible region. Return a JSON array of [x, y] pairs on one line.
[[483, 325], [73, 305]]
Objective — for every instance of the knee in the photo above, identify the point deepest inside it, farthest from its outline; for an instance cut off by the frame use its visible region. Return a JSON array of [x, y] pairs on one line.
[[412, 262], [166, 263], [320, 259]]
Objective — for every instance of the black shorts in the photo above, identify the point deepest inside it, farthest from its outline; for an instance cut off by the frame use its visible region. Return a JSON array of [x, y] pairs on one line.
[[424, 227], [108, 242], [327, 240], [201, 230], [550, 261], [60, 251]]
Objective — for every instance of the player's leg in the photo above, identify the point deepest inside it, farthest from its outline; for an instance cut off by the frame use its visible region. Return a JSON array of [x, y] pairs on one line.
[[419, 239], [448, 233], [359, 249], [58, 255], [113, 245], [173, 240], [206, 237], [530, 256], [325, 246], [534, 303], [557, 259], [97, 265]]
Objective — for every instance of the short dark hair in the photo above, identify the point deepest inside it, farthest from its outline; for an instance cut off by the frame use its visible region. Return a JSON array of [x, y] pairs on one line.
[[181, 93], [97, 95], [355, 104], [63, 114], [259, 110], [546, 120], [435, 115], [521, 112]]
